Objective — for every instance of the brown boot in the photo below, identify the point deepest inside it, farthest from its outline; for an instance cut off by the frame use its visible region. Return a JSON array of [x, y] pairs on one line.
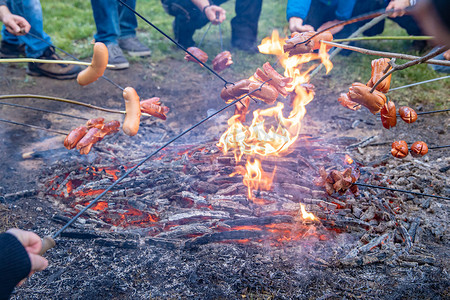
[[56, 71]]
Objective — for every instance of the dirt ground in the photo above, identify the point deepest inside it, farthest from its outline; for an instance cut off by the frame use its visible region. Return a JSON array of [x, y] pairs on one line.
[[190, 91]]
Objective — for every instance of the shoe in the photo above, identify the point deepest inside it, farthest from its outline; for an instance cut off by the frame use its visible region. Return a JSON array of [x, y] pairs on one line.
[[8, 50], [244, 45], [134, 47], [56, 71], [116, 57]]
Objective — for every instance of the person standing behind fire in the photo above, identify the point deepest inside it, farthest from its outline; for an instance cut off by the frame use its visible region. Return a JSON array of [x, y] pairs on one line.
[[191, 15], [116, 28], [314, 15], [20, 17], [19, 258]]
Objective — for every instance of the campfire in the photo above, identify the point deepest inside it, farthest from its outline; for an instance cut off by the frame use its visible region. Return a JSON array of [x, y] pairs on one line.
[[271, 193]]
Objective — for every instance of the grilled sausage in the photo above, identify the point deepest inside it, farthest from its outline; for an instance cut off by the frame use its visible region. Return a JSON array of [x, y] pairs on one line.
[[419, 148], [360, 93], [407, 114], [399, 149], [133, 111], [74, 137], [97, 67], [379, 66], [389, 115]]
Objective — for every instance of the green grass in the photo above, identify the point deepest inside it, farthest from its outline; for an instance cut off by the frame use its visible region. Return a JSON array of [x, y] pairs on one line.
[[71, 26]]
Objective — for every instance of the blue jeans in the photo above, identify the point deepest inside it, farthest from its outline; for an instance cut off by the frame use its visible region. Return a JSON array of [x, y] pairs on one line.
[[113, 20], [437, 68], [31, 10]]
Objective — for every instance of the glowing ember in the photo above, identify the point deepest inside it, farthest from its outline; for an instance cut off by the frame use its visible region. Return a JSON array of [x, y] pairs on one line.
[[348, 159], [270, 133]]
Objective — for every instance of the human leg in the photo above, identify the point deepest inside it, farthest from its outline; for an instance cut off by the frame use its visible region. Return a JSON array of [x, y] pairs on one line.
[[188, 18], [127, 39], [244, 26]]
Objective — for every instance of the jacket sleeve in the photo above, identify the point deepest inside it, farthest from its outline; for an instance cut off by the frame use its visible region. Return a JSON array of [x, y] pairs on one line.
[[15, 263], [344, 9], [297, 8], [2, 2]]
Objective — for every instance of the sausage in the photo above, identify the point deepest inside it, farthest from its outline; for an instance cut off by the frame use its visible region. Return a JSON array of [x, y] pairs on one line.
[[345, 101], [378, 67], [133, 111], [360, 93], [97, 122], [236, 90], [266, 92], [399, 149], [419, 148], [323, 36], [202, 56], [293, 48], [389, 115], [111, 127], [272, 77], [242, 109], [74, 137], [97, 67], [91, 137], [222, 61], [153, 107], [407, 114]]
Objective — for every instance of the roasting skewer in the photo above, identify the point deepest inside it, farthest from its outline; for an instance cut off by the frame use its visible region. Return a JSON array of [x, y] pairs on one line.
[[34, 127], [113, 111], [67, 53], [398, 190], [43, 110]]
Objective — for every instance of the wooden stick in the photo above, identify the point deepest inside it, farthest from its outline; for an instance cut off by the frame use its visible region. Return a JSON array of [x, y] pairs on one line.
[[387, 38], [388, 54], [113, 111], [48, 61]]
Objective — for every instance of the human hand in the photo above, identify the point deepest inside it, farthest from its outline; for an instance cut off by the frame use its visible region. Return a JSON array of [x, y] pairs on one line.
[[32, 244], [15, 24], [296, 25], [447, 55], [215, 14], [397, 4], [329, 24]]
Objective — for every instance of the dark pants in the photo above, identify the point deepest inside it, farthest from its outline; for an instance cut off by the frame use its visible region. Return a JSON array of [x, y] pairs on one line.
[[365, 6], [188, 18]]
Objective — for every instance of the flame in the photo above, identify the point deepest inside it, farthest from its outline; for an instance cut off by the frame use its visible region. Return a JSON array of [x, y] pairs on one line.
[[270, 132], [348, 159], [254, 177], [306, 215]]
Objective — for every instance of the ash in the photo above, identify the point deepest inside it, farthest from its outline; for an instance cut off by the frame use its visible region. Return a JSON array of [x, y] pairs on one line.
[[180, 227]]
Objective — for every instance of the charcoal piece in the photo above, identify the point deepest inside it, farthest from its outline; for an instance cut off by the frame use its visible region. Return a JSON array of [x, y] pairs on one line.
[[224, 236], [79, 235], [164, 243], [117, 243], [260, 221]]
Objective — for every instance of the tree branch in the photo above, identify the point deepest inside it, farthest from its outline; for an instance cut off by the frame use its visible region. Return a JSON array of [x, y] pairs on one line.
[[387, 54], [420, 60]]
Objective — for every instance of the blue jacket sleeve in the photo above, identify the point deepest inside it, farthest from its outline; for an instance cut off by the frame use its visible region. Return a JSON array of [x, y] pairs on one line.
[[2, 2], [344, 9], [299, 8]]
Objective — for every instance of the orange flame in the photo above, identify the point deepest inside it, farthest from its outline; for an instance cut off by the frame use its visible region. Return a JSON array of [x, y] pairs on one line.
[[270, 133], [348, 159], [254, 177], [306, 215]]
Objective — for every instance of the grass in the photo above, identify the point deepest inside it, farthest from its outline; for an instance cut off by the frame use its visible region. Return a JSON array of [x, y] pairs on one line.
[[71, 26]]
